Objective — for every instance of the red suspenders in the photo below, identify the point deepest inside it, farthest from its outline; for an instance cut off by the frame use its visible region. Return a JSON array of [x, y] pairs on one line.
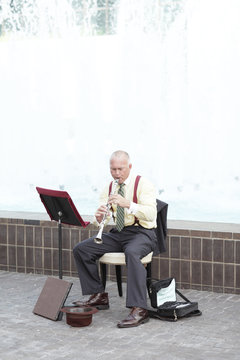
[[134, 193], [135, 188]]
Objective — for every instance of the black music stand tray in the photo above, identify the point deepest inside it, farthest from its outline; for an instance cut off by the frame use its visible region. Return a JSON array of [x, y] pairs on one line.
[[60, 208]]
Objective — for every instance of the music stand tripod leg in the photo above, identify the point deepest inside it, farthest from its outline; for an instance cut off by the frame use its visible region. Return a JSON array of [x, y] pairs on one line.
[[60, 244], [60, 315]]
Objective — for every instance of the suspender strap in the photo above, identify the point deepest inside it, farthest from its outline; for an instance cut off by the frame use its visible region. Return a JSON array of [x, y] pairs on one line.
[[135, 196], [110, 188], [135, 189]]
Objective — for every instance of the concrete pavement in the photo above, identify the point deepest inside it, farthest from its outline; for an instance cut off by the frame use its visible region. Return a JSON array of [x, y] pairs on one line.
[[23, 335]]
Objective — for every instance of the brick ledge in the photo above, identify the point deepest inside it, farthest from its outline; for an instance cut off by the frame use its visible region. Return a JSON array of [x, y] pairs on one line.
[[172, 224]]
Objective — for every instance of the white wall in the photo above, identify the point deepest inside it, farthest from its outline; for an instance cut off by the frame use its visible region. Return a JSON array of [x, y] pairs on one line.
[[175, 94]]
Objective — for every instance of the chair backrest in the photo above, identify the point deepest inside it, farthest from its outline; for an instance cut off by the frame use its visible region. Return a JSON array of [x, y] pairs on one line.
[[161, 229]]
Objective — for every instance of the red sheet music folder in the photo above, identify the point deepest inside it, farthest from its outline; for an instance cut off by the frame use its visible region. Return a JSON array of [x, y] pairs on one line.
[[55, 201]]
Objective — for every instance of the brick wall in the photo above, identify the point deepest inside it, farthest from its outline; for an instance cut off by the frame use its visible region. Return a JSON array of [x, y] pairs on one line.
[[198, 259], [201, 260]]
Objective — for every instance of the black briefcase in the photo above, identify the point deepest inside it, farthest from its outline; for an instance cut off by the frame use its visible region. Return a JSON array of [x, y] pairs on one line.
[[170, 310], [175, 310]]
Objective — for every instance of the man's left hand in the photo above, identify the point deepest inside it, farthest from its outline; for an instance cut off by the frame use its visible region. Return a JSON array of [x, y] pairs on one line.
[[119, 200]]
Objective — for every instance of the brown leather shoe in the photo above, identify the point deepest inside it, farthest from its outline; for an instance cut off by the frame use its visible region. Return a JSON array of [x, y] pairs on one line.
[[99, 301], [136, 317]]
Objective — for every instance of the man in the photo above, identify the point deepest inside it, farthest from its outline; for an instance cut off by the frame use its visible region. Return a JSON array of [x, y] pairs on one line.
[[136, 239]]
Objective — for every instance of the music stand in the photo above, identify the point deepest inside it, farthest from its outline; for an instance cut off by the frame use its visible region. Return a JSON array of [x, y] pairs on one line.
[[60, 208]]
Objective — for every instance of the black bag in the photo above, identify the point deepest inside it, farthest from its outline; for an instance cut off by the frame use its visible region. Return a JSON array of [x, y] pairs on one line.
[[161, 291], [170, 310]]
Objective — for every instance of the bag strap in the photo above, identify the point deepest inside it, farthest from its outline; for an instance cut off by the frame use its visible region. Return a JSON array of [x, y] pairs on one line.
[[182, 296]]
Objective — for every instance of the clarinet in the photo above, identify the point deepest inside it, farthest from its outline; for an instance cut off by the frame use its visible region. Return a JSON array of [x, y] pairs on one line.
[[98, 238]]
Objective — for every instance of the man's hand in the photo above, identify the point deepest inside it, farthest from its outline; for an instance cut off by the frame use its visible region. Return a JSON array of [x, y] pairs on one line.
[[119, 200], [101, 211]]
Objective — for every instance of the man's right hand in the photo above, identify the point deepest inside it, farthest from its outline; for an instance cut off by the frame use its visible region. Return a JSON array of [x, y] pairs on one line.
[[101, 211]]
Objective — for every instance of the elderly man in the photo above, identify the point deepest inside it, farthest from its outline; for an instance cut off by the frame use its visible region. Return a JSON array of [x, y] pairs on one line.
[[134, 235]]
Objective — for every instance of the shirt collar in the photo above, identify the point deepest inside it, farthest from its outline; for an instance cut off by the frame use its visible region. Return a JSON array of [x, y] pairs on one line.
[[128, 179]]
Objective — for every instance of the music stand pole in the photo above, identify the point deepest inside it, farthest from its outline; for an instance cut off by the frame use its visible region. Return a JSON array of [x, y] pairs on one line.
[[60, 244]]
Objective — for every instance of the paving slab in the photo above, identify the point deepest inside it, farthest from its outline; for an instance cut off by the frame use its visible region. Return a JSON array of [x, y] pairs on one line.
[[24, 335]]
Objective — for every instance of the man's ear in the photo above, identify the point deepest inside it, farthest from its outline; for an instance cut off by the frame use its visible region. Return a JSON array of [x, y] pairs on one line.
[[130, 166]]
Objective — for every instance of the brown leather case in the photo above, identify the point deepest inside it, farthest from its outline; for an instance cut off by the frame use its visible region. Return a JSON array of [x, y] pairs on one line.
[[52, 298]]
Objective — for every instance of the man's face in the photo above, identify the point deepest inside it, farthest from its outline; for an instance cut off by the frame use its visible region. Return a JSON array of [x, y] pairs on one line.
[[120, 168]]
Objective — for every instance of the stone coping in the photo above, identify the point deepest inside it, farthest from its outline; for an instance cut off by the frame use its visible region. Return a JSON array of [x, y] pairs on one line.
[[172, 224]]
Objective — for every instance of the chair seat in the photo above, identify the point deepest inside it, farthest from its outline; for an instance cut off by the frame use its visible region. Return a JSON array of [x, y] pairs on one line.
[[118, 258]]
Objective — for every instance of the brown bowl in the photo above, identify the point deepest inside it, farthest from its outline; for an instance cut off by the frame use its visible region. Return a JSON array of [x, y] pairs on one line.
[[78, 316]]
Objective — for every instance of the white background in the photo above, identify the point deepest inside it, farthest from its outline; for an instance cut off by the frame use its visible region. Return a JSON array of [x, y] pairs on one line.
[[170, 98]]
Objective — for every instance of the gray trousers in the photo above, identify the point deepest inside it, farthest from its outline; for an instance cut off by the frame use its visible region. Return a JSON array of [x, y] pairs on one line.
[[136, 242]]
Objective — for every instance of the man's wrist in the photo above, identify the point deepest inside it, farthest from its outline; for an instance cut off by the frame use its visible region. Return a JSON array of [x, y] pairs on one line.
[[132, 208], [128, 204], [96, 220]]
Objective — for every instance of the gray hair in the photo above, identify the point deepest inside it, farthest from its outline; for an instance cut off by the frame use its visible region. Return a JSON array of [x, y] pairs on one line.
[[120, 153]]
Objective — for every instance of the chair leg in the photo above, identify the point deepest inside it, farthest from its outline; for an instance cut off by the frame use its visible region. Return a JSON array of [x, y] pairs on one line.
[[149, 270], [103, 271], [119, 278], [149, 274]]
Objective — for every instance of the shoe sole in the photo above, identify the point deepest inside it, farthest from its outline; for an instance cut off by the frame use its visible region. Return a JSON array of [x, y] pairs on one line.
[[102, 307], [99, 307], [133, 325]]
